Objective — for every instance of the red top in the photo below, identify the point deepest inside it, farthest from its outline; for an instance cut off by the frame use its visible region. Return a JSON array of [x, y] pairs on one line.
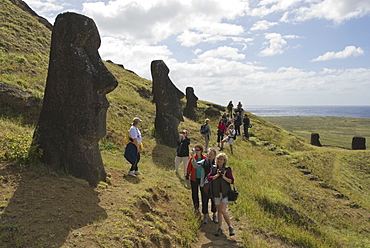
[[222, 127], [190, 170]]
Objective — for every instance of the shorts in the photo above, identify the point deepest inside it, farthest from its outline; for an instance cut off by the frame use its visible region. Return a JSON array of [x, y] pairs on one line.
[[229, 140], [218, 200]]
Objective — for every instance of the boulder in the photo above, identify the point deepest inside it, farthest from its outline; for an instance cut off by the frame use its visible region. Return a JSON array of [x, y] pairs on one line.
[[20, 101], [219, 107], [73, 114], [191, 104], [358, 143], [212, 111], [315, 139], [167, 98]]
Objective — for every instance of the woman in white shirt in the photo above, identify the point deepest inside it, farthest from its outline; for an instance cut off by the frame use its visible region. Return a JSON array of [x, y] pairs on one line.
[[231, 133], [135, 136]]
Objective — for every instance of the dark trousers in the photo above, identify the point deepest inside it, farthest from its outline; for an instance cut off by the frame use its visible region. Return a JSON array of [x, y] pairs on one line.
[[220, 137], [195, 187], [246, 134], [134, 166], [205, 198], [237, 129]]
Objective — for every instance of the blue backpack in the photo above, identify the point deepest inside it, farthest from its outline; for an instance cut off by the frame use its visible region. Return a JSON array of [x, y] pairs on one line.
[[203, 129]]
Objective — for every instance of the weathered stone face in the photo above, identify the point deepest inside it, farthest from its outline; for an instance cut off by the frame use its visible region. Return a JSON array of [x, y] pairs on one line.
[[191, 104], [358, 143], [73, 116], [168, 104], [315, 139]]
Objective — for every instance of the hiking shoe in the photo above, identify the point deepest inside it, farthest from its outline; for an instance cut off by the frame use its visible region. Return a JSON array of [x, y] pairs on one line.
[[205, 219], [132, 173], [231, 231], [214, 218], [138, 173], [219, 232]]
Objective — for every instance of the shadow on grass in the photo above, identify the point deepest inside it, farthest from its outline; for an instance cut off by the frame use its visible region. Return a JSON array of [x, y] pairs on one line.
[[164, 157], [45, 208]]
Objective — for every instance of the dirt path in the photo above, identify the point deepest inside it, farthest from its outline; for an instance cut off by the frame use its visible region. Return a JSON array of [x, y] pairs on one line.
[[207, 239]]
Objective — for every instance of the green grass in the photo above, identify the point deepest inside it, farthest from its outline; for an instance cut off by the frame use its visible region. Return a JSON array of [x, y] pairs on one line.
[[333, 131], [278, 205]]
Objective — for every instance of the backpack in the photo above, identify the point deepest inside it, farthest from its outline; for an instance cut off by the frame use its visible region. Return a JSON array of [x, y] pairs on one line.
[[203, 129], [128, 139]]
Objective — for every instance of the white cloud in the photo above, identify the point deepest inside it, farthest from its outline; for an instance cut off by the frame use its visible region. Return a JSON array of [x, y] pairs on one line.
[[275, 44], [47, 8], [212, 77], [263, 25], [267, 7], [334, 10], [121, 52], [222, 52], [189, 38], [349, 51], [197, 51], [156, 20]]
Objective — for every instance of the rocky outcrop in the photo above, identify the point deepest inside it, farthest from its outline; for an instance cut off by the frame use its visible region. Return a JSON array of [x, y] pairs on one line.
[[212, 111], [73, 115], [219, 107], [191, 104], [358, 143], [167, 98], [20, 101], [21, 4], [315, 139]]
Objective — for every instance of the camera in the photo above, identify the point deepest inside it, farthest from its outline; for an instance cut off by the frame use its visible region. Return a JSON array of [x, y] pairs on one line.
[[222, 170]]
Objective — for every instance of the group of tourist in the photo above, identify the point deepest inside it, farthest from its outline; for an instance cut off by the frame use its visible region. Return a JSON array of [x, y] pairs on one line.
[[229, 125], [207, 175], [210, 176]]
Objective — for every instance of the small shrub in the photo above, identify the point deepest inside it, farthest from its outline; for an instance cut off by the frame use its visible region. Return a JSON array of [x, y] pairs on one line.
[[18, 150]]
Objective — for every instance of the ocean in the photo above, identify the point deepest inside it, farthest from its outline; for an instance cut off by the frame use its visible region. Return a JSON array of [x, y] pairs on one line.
[[322, 111]]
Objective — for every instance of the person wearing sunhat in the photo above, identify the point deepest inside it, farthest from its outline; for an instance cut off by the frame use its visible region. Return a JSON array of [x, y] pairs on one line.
[[182, 151], [133, 149]]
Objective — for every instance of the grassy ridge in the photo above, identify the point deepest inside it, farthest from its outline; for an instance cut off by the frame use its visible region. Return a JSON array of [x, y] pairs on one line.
[[292, 194]]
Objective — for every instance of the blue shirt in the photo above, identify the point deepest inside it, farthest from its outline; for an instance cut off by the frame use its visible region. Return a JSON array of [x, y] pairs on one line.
[[199, 170]]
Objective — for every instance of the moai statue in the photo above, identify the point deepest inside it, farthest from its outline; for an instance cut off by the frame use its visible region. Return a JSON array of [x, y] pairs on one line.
[[73, 115], [167, 98]]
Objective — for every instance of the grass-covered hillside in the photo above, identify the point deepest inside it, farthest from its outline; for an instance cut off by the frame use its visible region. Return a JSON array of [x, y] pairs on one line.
[[291, 193]]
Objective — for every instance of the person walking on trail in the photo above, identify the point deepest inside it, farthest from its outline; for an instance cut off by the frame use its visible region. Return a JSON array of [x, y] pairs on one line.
[[221, 177], [246, 125], [237, 123], [231, 134], [194, 175], [221, 130], [134, 147], [206, 165], [207, 134], [230, 107], [182, 151], [239, 109]]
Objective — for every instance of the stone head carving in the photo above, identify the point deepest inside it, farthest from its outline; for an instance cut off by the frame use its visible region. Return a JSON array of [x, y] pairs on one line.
[[73, 115], [167, 98], [191, 104]]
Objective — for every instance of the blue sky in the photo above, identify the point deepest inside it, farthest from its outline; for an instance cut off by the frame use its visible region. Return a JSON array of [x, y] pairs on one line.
[[259, 52]]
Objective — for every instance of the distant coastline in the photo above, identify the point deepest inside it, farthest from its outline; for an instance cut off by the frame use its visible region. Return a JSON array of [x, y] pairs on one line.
[[320, 111]]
